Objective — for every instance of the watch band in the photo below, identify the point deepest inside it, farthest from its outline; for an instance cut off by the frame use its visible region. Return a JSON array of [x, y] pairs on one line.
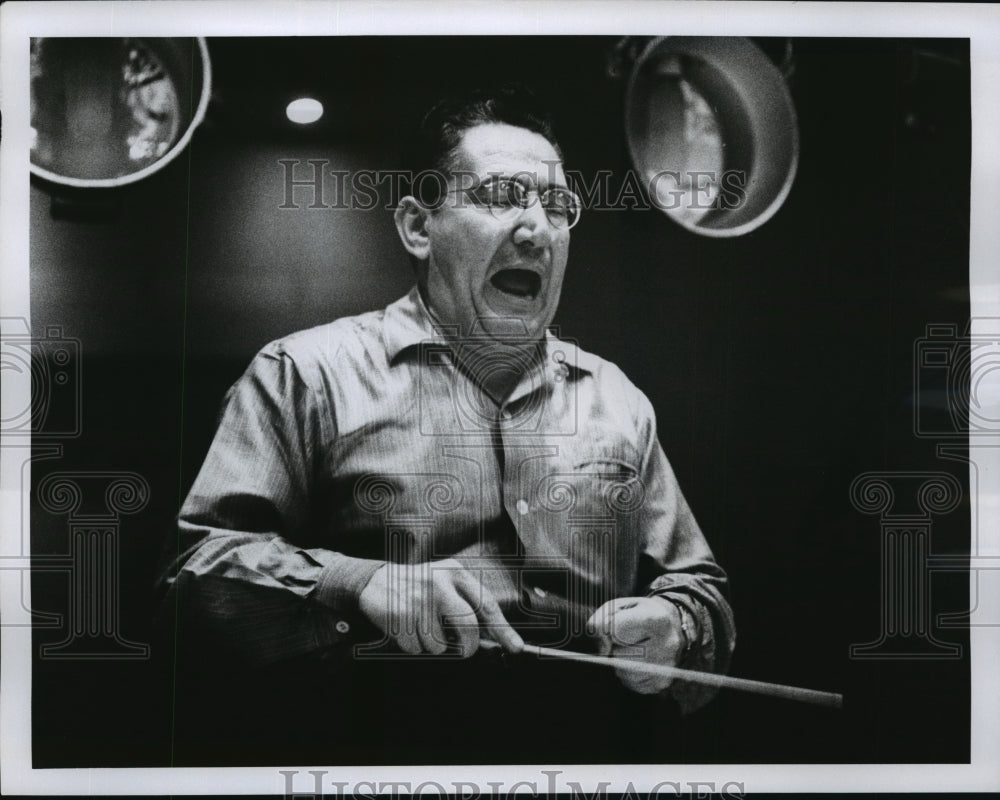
[[688, 630]]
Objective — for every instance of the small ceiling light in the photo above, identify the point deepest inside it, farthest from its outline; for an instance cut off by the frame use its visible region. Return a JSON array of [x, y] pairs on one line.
[[304, 110]]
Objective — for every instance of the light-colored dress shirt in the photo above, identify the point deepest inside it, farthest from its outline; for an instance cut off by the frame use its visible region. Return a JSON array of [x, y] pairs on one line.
[[362, 441]]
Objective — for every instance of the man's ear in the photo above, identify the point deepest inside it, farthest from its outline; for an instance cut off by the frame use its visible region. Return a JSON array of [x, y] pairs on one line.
[[411, 225]]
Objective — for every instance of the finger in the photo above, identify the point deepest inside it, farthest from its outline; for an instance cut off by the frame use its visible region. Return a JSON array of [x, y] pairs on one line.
[[652, 686], [637, 620], [399, 627], [643, 683], [488, 613], [431, 634], [426, 617], [632, 635], [646, 650], [400, 608], [460, 621], [631, 680], [600, 626], [408, 641]]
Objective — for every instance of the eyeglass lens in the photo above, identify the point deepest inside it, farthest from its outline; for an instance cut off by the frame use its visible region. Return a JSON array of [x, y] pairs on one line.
[[503, 197]]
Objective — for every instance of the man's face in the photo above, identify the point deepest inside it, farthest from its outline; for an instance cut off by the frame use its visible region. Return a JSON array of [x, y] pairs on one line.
[[504, 274]]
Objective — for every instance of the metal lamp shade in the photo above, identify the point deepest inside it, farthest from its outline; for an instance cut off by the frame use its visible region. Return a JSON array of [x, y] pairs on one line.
[[712, 131], [109, 112]]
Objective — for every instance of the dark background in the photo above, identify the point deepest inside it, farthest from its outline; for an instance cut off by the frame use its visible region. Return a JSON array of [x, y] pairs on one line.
[[780, 363]]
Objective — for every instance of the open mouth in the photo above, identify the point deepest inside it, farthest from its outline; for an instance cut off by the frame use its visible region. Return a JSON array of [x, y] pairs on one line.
[[518, 282]]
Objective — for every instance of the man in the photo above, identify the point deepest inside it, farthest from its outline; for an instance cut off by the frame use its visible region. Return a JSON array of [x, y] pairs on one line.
[[396, 493]]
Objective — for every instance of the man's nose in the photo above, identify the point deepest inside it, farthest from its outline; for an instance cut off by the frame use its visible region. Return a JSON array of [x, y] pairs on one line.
[[533, 226]]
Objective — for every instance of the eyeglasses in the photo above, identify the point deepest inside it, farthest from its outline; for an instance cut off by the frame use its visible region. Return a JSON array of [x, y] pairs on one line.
[[506, 198]]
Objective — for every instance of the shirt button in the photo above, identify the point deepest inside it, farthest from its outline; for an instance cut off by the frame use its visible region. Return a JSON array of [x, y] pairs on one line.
[[538, 590], [342, 627], [522, 507]]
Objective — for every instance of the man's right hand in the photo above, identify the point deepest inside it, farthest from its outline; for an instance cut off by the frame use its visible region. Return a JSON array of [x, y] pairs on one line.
[[430, 606]]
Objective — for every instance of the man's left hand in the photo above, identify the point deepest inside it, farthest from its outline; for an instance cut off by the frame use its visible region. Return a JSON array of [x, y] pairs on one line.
[[642, 628]]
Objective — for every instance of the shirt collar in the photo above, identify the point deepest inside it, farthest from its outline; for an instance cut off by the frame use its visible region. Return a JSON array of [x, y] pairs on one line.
[[561, 351], [408, 323]]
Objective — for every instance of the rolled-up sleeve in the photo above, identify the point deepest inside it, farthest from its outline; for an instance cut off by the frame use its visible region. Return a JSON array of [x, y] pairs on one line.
[[678, 565], [248, 567]]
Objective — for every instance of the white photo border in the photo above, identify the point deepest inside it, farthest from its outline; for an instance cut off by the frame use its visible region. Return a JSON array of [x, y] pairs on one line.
[[19, 21]]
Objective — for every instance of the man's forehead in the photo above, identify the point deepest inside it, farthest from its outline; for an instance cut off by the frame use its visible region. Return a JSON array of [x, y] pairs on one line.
[[505, 149]]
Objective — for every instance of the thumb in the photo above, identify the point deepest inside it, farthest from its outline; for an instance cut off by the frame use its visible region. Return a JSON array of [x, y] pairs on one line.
[[600, 629]]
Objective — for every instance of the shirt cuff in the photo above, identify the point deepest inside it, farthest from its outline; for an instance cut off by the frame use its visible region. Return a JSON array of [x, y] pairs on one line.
[[700, 656], [341, 582]]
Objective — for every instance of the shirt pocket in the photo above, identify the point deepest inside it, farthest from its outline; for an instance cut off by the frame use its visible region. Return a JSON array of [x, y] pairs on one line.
[[604, 466], [587, 501]]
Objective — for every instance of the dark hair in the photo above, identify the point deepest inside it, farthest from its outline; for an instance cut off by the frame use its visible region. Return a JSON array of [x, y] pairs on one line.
[[434, 145]]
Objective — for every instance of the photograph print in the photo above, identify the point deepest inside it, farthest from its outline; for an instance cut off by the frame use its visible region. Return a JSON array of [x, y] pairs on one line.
[[496, 400]]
